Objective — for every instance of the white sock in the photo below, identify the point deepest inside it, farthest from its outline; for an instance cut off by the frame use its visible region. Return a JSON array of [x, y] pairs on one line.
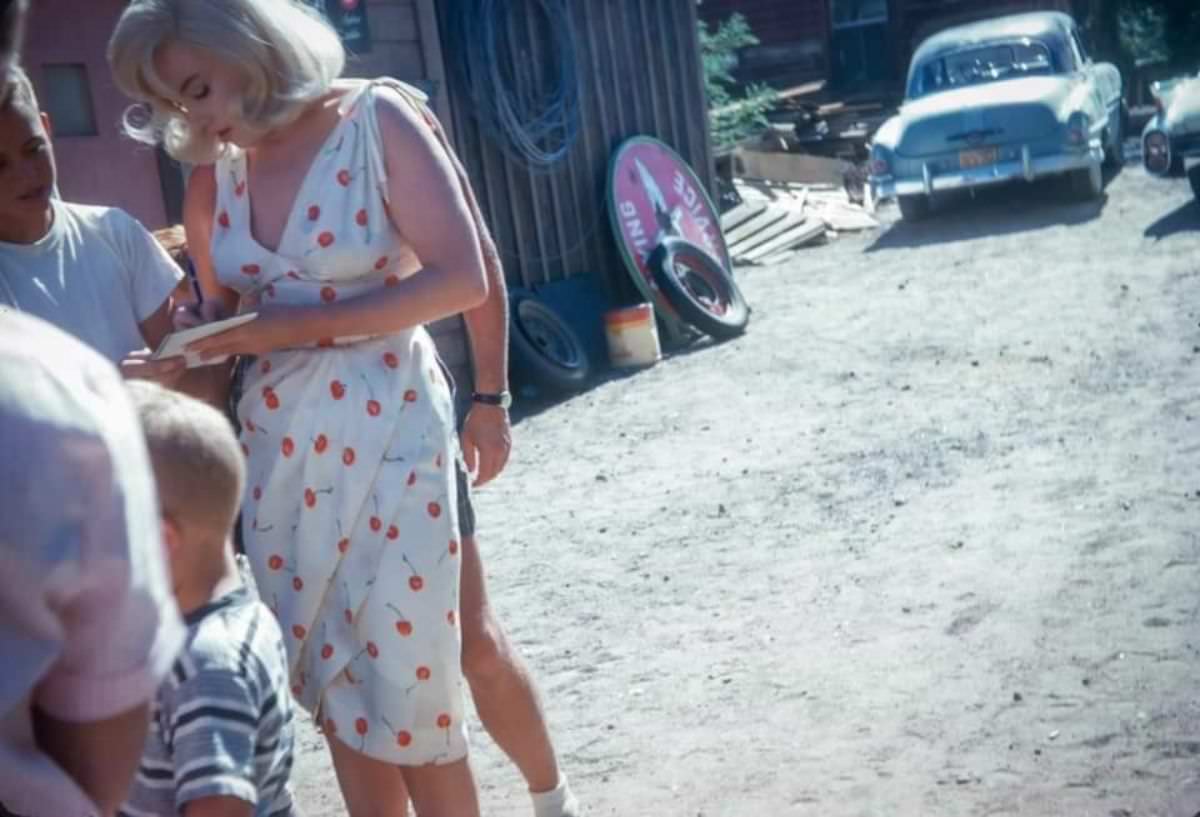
[[558, 802]]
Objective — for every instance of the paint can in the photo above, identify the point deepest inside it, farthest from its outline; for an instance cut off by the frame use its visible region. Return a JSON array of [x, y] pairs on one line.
[[632, 336]]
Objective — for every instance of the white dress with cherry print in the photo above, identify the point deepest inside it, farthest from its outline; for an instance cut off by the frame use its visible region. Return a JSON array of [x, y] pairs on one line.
[[350, 515]]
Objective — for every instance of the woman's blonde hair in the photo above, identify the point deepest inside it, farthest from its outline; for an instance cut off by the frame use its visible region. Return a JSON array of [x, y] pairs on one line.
[[289, 54]]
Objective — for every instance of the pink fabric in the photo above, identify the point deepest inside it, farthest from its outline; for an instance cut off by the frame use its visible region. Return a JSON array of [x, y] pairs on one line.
[[88, 627]]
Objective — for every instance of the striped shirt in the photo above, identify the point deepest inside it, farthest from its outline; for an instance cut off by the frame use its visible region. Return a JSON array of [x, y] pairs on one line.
[[222, 721]]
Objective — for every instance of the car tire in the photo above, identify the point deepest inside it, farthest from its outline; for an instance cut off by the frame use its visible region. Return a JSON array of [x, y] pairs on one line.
[[913, 208], [1114, 152], [699, 288], [1087, 184], [1194, 179], [546, 352]]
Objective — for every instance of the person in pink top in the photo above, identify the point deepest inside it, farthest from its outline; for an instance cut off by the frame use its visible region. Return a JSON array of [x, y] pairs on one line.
[[88, 626]]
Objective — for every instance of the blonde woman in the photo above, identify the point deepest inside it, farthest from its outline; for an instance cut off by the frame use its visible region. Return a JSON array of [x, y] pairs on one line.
[[335, 211]]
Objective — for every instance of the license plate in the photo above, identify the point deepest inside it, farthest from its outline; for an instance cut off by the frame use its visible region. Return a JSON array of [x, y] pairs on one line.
[[968, 159]]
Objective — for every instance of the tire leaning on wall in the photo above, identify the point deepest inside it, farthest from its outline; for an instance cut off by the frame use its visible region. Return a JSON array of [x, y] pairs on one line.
[[545, 351], [699, 288]]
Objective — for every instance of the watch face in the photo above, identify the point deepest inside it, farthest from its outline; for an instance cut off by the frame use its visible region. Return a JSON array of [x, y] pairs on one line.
[[653, 194]]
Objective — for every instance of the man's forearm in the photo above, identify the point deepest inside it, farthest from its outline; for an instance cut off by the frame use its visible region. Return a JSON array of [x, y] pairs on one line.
[[487, 324], [101, 757]]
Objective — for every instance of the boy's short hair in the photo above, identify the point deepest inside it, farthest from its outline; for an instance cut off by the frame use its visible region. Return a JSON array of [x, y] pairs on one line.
[[197, 462], [17, 91], [174, 240]]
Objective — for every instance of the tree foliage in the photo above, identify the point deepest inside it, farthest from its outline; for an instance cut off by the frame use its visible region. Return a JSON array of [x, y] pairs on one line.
[[734, 113]]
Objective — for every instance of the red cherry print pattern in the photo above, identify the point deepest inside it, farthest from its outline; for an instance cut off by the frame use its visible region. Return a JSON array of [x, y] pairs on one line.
[[376, 524], [297, 583], [360, 726], [343, 177], [435, 510], [257, 493], [270, 398], [443, 721], [410, 396], [240, 188], [314, 212], [299, 631], [310, 497], [453, 547], [297, 690], [373, 408], [328, 294], [288, 447], [245, 450], [423, 673], [403, 739], [327, 652], [405, 628], [372, 649], [223, 219], [348, 456], [295, 276], [412, 478], [416, 583], [390, 360], [381, 263], [393, 532], [360, 218], [450, 617], [275, 562], [320, 443], [349, 615], [325, 239], [250, 426], [338, 389], [251, 269], [343, 545], [391, 280], [265, 368]]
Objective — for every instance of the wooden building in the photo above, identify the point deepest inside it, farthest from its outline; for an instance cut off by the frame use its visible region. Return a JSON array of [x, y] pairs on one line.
[[852, 44]]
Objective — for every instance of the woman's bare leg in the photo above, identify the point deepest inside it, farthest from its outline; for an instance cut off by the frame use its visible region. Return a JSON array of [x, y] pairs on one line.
[[370, 787], [443, 791]]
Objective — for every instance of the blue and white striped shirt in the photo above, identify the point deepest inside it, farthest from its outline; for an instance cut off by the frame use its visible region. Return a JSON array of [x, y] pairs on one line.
[[222, 721]]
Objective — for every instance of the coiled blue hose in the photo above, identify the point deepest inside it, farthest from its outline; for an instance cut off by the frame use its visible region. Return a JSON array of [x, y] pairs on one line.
[[531, 111]]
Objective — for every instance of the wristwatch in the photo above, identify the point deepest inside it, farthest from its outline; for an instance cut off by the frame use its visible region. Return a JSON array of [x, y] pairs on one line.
[[502, 399]]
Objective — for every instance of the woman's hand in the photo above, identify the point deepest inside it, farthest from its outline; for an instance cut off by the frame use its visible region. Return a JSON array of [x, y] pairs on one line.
[[276, 327], [165, 372]]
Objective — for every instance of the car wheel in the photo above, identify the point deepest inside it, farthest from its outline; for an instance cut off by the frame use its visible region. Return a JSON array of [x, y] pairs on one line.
[[546, 352], [1194, 178], [1114, 152], [913, 208], [1087, 184]]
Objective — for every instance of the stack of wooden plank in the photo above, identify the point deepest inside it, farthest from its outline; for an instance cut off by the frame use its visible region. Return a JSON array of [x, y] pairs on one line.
[[775, 219]]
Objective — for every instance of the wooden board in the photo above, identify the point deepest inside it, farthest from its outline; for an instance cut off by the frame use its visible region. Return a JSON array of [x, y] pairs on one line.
[[768, 217], [741, 214], [808, 232], [791, 167], [789, 222]]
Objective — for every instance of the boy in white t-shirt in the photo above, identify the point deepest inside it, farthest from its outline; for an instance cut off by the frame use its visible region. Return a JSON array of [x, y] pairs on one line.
[[94, 272]]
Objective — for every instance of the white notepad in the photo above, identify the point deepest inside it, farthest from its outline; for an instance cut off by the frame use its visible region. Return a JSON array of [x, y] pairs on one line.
[[173, 344]]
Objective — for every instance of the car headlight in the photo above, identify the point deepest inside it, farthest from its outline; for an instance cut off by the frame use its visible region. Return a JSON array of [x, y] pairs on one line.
[[1078, 129], [881, 162], [1156, 152]]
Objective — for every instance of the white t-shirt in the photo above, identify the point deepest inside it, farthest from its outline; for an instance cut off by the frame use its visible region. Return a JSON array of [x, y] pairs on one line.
[[88, 625], [96, 274]]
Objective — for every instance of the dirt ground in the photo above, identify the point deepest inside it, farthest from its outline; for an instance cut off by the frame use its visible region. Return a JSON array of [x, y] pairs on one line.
[[924, 541]]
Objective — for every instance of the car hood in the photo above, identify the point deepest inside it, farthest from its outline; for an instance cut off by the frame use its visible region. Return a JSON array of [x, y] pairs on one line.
[[1005, 112], [1181, 104]]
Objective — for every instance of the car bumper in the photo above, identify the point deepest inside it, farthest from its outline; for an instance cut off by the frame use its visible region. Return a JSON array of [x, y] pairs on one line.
[[1027, 167]]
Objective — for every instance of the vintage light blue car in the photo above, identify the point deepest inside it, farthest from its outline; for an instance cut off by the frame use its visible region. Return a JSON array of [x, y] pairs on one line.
[[1173, 135], [1010, 98]]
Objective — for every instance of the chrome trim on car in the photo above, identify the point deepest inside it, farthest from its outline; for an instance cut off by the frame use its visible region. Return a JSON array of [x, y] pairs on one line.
[[1027, 167]]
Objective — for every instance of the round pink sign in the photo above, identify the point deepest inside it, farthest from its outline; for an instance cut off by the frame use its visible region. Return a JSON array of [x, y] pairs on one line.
[[652, 193]]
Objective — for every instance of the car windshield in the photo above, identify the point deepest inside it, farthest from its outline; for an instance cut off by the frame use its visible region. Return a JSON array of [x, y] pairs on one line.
[[980, 65]]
